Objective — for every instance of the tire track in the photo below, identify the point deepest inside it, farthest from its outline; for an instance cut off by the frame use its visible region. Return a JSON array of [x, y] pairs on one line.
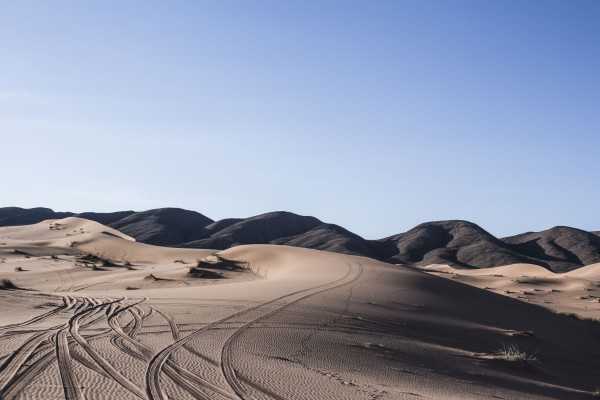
[[226, 353], [18, 384], [46, 355], [191, 377], [89, 365], [61, 275], [88, 285], [70, 383], [138, 321], [113, 322], [171, 322], [74, 325], [11, 365], [153, 387], [65, 306]]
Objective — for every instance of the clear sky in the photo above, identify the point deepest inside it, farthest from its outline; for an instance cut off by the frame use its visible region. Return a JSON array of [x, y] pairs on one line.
[[375, 115]]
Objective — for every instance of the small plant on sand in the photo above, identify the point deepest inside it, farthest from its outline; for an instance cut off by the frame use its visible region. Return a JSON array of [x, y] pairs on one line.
[[513, 354], [6, 284], [523, 333], [195, 272], [18, 269], [131, 288]]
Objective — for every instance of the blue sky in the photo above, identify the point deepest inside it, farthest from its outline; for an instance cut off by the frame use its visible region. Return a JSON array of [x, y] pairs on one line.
[[375, 115]]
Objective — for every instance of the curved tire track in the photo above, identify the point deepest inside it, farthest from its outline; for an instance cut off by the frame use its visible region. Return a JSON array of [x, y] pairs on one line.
[[70, 383], [226, 354], [153, 387], [101, 361], [11, 365]]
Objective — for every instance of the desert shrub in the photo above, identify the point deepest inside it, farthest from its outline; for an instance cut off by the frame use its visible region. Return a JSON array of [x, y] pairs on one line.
[[195, 272], [222, 263], [131, 288], [523, 333], [18, 269], [7, 284], [513, 354]]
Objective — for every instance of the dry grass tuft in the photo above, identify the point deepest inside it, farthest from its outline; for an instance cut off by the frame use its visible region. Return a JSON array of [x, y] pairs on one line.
[[514, 355]]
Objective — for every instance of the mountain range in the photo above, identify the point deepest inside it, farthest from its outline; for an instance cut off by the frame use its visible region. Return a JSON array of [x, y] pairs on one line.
[[458, 243]]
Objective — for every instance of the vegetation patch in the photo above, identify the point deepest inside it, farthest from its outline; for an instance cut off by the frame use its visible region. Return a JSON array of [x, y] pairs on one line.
[[512, 354], [56, 226], [217, 261], [196, 272], [92, 261], [523, 333], [6, 284]]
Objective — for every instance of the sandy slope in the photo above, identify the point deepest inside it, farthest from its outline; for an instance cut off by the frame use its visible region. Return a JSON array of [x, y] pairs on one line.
[[303, 324], [576, 292]]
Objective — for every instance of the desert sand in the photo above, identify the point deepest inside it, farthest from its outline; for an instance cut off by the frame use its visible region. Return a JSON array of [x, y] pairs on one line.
[[96, 315]]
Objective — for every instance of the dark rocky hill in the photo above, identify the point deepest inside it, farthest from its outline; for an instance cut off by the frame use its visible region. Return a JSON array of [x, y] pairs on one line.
[[259, 229], [560, 248], [331, 238], [25, 216], [105, 218], [455, 242], [163, 226], [458, 243]]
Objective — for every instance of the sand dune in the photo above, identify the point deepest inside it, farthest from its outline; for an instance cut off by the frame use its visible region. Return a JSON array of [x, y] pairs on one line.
[[453, 242], [575, 292], [276, 322]]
